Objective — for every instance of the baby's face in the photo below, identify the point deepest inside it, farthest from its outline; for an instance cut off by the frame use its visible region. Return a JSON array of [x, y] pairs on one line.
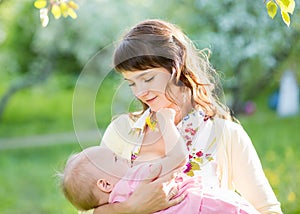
[[105, 161]]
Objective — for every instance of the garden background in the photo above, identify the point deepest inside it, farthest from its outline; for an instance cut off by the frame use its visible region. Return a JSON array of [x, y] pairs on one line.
[[41, 66]]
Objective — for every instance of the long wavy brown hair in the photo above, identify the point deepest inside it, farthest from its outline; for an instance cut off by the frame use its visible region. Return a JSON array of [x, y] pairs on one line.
[[156, 43]]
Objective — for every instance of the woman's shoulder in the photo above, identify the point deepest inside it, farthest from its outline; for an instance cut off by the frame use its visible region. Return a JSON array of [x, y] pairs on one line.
[[131, 121], [130, 116], [232, 134], [117, 135], [121, 120], [229, 128], [228, 124], [121, 123]]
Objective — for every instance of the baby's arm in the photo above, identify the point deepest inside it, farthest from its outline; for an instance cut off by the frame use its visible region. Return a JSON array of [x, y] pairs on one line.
[[175, 148]]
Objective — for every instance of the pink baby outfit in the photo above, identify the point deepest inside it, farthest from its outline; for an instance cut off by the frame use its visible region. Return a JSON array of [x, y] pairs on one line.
[[195, 202]]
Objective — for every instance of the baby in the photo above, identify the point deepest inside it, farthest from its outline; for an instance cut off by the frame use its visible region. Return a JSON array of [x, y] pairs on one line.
[[97, 176]]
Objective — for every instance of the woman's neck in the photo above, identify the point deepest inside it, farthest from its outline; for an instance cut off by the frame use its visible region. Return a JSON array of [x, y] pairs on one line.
[[182, 112]]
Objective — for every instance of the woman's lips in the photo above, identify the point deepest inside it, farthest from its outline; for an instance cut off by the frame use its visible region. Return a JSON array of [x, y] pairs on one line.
[[151, 100]]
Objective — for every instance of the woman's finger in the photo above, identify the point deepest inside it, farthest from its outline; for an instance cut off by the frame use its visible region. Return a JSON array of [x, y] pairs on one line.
[[172, 193], [176, 200]]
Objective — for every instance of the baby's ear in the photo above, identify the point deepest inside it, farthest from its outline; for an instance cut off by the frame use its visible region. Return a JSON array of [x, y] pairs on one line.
[[104, 185]]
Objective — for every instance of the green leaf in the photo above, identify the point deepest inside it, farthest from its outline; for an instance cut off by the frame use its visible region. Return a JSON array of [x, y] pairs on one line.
[[73, 15], [291, 7], [272, 9], [285, 2], [56, 12], [39, 4], [286, 18], [73, 5], [287, 5], [64, 9]]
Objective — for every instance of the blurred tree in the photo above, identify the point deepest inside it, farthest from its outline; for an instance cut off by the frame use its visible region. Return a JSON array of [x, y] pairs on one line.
[[30, 53], [16, 50], [247, 45], [19, 58]]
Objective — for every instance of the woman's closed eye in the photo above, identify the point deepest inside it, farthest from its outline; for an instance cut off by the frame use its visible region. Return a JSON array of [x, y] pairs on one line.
[[149, 79], [131, 84]]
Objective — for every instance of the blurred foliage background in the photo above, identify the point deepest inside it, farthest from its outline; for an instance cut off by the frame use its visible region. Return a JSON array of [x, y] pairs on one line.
[[40, 68]]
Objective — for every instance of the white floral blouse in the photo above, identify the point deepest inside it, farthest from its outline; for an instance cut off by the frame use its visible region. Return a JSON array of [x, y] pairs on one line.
[[219, 149], [197, 131]]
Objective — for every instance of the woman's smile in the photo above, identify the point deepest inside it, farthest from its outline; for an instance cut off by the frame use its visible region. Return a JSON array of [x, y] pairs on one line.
[[151, 100]]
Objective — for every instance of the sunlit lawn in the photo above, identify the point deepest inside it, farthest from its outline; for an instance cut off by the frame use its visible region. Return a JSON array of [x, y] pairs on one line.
[[277, 142], [28, 181], [27, 178]]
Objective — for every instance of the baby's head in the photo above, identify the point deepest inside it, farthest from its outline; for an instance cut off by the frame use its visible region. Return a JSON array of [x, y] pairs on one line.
[[90, 176]]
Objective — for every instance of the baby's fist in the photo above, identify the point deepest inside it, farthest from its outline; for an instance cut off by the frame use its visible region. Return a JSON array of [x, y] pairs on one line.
[[166, 114]]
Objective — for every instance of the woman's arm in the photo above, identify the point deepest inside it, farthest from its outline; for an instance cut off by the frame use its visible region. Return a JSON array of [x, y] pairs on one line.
[[115, 208], [149, 197], [248, 175]]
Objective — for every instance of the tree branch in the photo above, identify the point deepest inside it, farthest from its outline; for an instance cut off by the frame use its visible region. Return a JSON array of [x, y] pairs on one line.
[[27, 81]]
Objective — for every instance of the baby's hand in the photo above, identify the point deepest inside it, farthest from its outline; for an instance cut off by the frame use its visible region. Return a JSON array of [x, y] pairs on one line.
[[165, 114]]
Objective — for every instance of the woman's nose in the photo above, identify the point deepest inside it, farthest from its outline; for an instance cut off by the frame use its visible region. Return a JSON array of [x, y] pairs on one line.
[[141, 90], [141, 94]]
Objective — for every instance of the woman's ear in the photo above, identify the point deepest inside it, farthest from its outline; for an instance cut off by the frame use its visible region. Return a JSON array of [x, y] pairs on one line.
[[105, 185]]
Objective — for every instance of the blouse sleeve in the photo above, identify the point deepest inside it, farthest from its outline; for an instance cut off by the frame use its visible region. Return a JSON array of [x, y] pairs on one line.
[[248, 176], [117, 137]]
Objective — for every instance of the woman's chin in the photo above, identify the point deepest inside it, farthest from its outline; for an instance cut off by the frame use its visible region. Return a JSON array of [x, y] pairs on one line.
[[153, 109], [157, 108]]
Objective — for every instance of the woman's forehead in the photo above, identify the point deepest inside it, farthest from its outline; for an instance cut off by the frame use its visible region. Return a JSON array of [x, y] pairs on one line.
[[130, 75]]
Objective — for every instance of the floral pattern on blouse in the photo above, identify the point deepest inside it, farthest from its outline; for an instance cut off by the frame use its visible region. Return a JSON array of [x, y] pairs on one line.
[[197, 157], [188, 128]]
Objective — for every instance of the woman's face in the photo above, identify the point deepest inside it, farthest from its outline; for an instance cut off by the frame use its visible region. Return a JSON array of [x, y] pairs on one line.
[[149, 86]]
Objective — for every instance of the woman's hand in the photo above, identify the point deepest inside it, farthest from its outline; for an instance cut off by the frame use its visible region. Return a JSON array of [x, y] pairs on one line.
[[150, 196]]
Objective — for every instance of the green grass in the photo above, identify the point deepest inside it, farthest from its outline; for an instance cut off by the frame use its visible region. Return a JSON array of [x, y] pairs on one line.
[[47, 108], [277, 143], [28, 181], [27, 178]]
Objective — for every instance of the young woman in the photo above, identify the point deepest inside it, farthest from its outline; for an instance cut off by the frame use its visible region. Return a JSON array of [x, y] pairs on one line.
[[165, 70]]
